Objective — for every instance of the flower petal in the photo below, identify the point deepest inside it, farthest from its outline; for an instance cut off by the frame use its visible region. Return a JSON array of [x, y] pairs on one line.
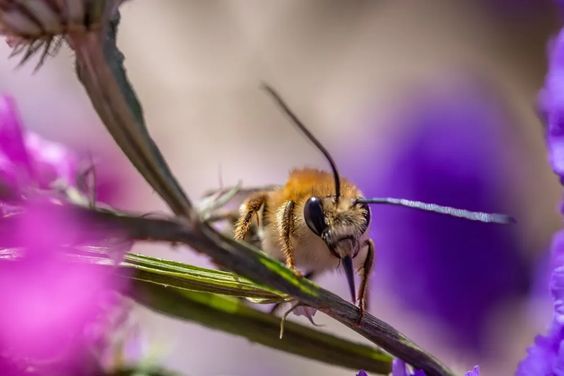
[[15, 165]]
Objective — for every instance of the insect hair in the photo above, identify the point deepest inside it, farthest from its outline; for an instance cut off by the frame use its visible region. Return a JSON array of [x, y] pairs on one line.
[[300, 125]]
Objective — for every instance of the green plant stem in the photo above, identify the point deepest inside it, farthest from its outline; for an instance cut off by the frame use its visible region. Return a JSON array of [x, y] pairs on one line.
[[232, 316], [243, 259], [193, 278]]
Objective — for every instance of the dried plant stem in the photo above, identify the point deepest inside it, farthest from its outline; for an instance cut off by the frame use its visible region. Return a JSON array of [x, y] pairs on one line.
[[99, 67]]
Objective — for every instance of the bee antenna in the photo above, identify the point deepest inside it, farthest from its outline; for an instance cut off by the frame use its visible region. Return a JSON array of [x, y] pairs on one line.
[[446, 210], [278, 99]]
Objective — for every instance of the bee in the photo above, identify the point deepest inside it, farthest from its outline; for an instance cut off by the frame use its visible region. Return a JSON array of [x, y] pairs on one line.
[[318, 221]]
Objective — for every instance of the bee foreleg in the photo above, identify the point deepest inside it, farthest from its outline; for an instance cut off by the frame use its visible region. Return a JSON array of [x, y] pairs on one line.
[[287, 229], [365, 271], [249, 209]]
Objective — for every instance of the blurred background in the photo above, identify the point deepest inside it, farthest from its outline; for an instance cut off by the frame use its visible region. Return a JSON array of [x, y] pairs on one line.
[[431, 100]]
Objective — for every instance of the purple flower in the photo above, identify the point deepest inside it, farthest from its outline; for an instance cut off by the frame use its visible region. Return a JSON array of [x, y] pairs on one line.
[[28, 161], [551, 103], [546, 355], [399, 368], [474, 372], [456, 152]]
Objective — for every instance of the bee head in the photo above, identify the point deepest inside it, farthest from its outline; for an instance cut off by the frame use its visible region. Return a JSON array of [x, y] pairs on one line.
[[340, 224]]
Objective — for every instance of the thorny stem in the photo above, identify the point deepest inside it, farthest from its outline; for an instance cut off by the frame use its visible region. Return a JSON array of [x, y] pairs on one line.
[[100, 69]]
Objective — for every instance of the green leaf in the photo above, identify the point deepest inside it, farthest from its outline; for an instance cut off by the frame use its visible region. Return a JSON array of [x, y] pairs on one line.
[[233, 316]]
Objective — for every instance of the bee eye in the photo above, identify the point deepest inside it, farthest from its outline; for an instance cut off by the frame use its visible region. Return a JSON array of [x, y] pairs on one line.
[[314, 216], [366, 214]]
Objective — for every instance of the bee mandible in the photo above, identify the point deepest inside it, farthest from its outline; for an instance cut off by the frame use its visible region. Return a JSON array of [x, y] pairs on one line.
[[318, 221]]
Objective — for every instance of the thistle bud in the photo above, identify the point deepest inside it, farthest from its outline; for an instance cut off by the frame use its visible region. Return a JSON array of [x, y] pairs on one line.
[[39, 26]]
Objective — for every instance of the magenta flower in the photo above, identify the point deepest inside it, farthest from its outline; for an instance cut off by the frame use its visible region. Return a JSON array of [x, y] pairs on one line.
[[53, 304], [50, 301], [26, 160]]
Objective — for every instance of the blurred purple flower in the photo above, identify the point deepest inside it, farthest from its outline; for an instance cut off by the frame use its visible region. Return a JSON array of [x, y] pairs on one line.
[[113, 175], [456, 152], [50, 300], [53, 304], [551, 103], [28, 161], [399, 368], [473, 372], [546, 355]]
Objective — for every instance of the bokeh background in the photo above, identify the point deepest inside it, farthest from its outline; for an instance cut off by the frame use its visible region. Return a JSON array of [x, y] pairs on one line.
[[432, 100]]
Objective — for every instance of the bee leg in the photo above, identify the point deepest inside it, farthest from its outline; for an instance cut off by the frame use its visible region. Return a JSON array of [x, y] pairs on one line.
[[365, 271], [286, 232], [309, 275], [249, 209]]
